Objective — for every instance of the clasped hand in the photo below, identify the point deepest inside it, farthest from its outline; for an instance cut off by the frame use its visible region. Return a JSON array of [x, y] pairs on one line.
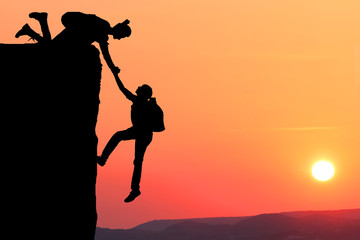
[[115, 70]]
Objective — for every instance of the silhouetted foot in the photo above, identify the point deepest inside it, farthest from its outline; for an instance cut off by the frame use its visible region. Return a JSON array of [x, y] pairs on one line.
[[101, 161], [133, 194], [39, 16], [25, 30]]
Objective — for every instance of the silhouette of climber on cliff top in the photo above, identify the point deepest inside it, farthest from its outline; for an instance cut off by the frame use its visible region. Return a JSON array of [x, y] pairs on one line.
[[146, 117], [80, 29]]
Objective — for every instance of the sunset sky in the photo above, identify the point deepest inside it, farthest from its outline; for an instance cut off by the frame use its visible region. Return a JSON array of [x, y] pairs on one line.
[[254, 93]]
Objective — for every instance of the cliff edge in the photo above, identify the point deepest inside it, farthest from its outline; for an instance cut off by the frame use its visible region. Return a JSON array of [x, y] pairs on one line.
[[50, 102]]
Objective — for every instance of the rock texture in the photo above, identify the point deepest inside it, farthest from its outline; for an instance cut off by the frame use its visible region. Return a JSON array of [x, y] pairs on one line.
[[50, 101]]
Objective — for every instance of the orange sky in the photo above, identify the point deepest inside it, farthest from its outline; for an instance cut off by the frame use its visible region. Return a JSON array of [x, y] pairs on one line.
[[254, 92]]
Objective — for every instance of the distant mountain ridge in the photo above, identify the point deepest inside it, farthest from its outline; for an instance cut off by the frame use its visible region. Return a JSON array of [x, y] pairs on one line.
[[304, 225], [160, 225]]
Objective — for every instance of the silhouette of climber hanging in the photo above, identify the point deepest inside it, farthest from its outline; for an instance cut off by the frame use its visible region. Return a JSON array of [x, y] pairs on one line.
[[146, 117], [80, 29]]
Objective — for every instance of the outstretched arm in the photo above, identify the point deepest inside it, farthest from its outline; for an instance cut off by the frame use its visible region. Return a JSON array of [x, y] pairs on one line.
[[105, 52], [129, 95], [115, 70]]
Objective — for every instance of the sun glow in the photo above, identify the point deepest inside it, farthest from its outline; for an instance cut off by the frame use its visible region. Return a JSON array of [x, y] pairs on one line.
[[323, 170]]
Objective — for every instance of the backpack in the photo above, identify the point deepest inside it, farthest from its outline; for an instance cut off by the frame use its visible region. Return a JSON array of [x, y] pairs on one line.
[[157, 116]]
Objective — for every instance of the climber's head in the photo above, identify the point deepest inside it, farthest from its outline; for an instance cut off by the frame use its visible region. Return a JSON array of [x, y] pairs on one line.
[[144, 92], [121, 30]]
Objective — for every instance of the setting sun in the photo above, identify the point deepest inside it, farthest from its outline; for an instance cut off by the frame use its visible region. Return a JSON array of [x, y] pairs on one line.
[[323, 170]]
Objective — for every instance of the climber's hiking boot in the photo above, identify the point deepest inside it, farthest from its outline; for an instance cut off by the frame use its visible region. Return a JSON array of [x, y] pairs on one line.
[[25, 30], [133, 194], [39, 16], [101, 161]]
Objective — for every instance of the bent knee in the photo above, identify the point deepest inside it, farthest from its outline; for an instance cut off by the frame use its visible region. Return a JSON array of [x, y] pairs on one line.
[[120, 135]]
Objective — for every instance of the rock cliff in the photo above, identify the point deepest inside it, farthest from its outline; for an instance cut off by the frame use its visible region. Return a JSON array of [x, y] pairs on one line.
[[50, 101]]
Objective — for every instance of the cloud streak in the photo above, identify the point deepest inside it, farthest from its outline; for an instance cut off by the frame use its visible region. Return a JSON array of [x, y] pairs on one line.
[[289, 129]]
